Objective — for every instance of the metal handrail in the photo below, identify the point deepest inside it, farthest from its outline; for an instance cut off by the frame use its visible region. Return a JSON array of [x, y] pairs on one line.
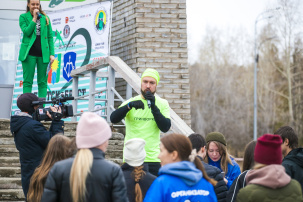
[[115, 64]]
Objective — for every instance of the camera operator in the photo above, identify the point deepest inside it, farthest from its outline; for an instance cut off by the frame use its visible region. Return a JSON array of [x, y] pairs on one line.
[[31, 137]]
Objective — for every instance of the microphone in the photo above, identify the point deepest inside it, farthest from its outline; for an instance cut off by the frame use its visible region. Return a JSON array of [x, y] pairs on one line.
[[39, 15], [148, 101]]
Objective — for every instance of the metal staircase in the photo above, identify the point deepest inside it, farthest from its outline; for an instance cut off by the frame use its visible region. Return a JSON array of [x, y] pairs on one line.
[[115, 65]]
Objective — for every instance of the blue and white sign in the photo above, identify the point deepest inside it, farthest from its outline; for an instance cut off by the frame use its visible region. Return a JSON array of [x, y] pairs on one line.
[[69, 65]]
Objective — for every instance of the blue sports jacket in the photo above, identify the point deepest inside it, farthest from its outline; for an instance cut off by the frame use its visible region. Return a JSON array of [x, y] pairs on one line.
[[180, 181], [233, 171]]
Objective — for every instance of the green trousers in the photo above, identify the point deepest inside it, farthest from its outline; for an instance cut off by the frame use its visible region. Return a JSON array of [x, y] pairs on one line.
[[29, 66]]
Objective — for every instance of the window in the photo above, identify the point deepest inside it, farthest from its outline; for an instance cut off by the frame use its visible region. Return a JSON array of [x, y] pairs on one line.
[[9, 44]]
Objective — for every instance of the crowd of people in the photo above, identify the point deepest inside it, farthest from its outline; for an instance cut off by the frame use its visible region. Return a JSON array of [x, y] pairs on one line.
[[171, 168]]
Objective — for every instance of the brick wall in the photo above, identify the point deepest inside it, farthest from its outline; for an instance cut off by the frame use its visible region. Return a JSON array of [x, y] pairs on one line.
[[152, 33]]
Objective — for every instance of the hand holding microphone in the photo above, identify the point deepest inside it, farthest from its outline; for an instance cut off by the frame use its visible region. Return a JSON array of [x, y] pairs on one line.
[[37, 14], [150, 98], [148, 103]]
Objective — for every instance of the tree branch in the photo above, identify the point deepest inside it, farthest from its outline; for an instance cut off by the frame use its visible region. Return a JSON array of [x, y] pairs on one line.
[[277, 68], [278, 93]]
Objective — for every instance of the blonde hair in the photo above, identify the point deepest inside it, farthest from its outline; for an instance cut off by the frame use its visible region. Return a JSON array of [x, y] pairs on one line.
[[225, 156], [138, 173], [259, 165], [80, 170], [46, 17]]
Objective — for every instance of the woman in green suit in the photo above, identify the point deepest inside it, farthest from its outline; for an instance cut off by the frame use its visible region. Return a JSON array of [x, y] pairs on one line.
[[37, 46]]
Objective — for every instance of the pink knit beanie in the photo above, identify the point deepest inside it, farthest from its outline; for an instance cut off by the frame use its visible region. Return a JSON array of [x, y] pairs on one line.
[[92, 131]]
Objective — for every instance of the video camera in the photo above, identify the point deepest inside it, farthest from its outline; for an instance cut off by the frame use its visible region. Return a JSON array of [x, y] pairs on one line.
[[66, 109]]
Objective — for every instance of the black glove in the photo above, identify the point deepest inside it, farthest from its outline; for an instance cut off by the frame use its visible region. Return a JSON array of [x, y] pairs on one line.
[[149, 96], [138, 104]]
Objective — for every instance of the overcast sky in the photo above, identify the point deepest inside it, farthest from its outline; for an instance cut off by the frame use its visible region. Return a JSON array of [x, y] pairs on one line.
[[222, 14]]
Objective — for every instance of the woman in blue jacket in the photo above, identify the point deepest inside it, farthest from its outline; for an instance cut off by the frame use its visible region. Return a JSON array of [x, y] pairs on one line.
[[218, 156], [182, 176], [37, 47]]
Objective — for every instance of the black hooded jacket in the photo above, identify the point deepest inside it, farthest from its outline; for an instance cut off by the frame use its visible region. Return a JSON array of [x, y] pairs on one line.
[[293, 164], [31, 139], [215, 173]]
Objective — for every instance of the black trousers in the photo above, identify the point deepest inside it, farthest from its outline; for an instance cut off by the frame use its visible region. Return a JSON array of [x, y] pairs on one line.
[[153, 167]]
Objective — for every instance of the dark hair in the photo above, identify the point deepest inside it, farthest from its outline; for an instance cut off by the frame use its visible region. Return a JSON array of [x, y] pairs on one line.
[[249, 162], [72, 146], [57, 150], [182, 144], [138, 173], [290, 134], [197, 141], [40, 10]]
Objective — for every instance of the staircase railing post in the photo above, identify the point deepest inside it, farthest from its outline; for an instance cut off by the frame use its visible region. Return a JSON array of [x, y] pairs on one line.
[[129, 91], [75, 95], [110, 93], [92, 89]]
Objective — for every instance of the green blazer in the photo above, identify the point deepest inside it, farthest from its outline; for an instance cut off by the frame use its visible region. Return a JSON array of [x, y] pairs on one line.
[[28, 27]]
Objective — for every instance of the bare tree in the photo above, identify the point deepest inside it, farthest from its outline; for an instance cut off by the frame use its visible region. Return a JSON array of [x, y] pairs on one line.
[[286, 28], [221, 89], [280, 71], [298, 87], [222, 80]]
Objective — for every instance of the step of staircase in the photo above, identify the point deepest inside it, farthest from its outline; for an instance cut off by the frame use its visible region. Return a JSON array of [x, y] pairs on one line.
[[7, 161], [9, 151], [113, 154], [10, 183], [6, 134], [7, 141], [11, 195], [10, 172]]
